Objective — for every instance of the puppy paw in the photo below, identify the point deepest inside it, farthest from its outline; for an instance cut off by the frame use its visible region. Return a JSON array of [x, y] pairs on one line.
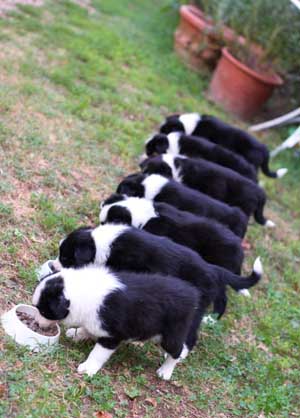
[[245, 292], [208, 319], [184, 353], [71, 333], [77, 334], [88, 367], [164, 372]]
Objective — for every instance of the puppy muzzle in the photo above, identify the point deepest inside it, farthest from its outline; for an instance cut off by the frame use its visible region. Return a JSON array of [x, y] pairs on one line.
[[43, 322]]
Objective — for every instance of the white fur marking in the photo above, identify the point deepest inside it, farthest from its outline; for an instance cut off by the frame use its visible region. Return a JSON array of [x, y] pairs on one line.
[[96, 359], [153, 185], [184, 353], [281, 172], [173, 139], [208, 319], [141, 210], [104, 236], [86, 289], [257, 266], [189, 121], [166, 370], [270, 224], [169, 159], [245, 292]]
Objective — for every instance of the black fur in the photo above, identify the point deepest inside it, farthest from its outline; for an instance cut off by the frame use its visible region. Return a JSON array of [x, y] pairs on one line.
[[194, 147], [78, 249], [227, 136], [150, 305], [139, 251], [52, 303], [219, 182], [210, 239], [187, 199]]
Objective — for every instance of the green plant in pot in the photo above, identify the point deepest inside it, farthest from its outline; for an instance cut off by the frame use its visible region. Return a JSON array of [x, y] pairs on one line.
[[245, 76]]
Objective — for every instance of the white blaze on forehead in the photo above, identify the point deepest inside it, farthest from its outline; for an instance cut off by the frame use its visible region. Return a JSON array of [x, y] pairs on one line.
[[153, 185], [189, 121], [169, 159], [141, 210], [40, 287], [104, 236], [173, 138]]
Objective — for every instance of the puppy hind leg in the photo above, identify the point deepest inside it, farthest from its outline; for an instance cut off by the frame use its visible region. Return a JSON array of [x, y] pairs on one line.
[[173, 344], [192, 336]]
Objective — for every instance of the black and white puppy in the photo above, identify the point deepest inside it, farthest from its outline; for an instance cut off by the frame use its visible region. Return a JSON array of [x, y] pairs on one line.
[[124, 248], [218, 182], [178, 143], [114, 307], [223, 134], [210, 239], [161, 189]]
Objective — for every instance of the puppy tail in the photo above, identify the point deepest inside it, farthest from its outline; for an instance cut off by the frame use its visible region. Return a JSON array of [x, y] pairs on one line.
[[274, 174], [239, 283]]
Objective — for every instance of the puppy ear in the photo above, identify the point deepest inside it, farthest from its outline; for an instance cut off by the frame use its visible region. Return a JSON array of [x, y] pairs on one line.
[[134, 189], [144, 163], [84, 254], [157, 145], [119, 214]]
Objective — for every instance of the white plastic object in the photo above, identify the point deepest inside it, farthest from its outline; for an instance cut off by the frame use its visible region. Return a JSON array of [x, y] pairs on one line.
[[44, 270], [23, 335]]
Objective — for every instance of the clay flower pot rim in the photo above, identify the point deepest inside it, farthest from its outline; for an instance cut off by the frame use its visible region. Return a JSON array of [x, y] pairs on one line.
[[272, 79], [196, 17]]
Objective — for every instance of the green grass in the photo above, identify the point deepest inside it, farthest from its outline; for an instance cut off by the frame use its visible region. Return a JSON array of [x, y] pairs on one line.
[[79, 94]]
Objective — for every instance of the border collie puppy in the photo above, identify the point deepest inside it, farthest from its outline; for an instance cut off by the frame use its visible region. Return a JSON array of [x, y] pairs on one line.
[[124, 248], [177, 143], [115, 307], [213, 241], [223, 134], [219, 182], [161, 189]]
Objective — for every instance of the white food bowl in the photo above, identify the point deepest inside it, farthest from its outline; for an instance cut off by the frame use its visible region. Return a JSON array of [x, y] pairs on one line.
[[22, 334], [45, 270]]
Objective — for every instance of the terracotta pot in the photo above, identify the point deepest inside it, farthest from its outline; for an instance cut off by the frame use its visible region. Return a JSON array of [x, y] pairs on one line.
[[198, 40], [193, 41], [240, 89]]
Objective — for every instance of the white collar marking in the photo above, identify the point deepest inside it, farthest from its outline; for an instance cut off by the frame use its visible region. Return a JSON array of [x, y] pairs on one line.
[[104, 236], [189, 121], [173, 139], [169, 159], [153, 185], [86, 289], [141, 210]]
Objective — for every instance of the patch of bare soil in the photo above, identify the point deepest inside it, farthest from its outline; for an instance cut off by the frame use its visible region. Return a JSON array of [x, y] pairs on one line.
[[7, 6], [86, 4]]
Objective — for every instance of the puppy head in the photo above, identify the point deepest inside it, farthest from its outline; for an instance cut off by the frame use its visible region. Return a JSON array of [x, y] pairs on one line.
[[172, 124], [78, 248], [132, 185], [158, 144], [156, 165], [115, 214], [50, 300]]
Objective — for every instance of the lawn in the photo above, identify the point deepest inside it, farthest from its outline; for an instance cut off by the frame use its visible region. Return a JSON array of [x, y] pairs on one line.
[[79, 94]]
